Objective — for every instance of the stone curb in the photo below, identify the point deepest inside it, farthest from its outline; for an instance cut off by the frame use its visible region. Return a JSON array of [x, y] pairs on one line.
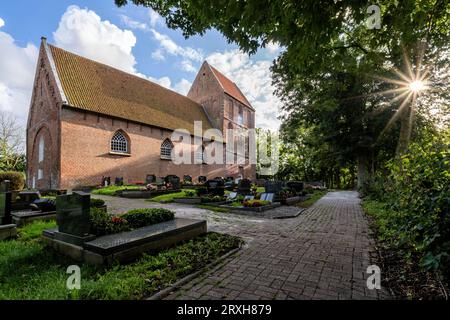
[[210, 267]]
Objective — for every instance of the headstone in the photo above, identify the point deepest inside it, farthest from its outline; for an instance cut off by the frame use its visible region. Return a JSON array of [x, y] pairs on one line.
[[119, 181], [215, 187], [173, 181], [24, 200], [273, 186], [245, 187], [159, 182], [202, 179], [296, 186], [73, 214], [106, 181], [187, 179], [267, 197], [151, 178], [44, 205], [232, 196], [247, 198], [5, 203]]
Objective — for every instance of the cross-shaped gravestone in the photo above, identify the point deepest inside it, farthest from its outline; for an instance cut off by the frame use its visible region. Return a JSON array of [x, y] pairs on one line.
[[73, 214], [5, 203]]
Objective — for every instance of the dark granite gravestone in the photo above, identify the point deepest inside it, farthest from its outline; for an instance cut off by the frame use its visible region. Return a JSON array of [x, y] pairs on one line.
[[159, 182], [296, 186], [215, 187], [173, 182], [106, 181], [202, 179], [187, 179], [43, 205], [118, 181], [273, 186], [151, 178], [73, 218], [5, 203], [25, 199], [244, 187]]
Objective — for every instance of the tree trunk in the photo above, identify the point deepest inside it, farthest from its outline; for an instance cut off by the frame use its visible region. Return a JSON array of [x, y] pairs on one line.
[[364, 174]]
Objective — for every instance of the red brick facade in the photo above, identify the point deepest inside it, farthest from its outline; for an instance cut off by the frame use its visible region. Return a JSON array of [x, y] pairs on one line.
[[77, 143]]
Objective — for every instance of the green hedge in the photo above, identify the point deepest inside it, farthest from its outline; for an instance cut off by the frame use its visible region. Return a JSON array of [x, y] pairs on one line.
[[144, 217], [97, 203], [16, 179]]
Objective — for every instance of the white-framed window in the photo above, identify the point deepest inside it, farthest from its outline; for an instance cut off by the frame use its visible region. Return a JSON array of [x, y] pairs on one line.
[[40, 174], [166, 150], [119, 143], [41, 149]]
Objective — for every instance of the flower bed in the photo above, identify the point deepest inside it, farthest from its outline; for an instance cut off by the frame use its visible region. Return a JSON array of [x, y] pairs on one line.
[[104, 223]]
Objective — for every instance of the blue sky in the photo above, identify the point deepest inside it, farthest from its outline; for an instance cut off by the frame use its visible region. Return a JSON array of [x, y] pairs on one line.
[[134, 39]]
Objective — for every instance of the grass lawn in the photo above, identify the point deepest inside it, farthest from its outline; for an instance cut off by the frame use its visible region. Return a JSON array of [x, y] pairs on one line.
[[313, 199], [170, 196], [30, 271], [111, 190]]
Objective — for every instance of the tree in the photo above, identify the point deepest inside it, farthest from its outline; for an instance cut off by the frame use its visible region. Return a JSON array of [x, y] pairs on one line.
[[12, 156], [329, 53]]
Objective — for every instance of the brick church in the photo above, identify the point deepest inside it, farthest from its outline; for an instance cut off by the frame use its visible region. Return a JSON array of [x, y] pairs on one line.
[[88, 120]]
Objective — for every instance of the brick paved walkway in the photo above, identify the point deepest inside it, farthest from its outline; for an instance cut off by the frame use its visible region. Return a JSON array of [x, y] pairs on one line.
[[322, 254]]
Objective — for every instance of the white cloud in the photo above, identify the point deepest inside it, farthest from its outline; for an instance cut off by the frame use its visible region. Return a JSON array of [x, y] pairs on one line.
[[169, 46], [133, 24], [255, 81], [158, 55], [2, 22], [155, 18], [183, 87], [83, 32], [17, 68], [186, 65], [273, 47]]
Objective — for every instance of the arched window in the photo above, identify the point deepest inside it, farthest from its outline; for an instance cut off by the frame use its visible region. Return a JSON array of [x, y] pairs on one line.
[[41, 149], [241, 116], [166, 150], [119, 143]]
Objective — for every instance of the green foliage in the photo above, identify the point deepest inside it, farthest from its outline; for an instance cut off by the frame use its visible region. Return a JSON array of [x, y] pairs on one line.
[[255, 203], [416, 193], [213, 199], [213, 208], [112, 190], [17, 179], [170, 196], [34, 230], [103, 223], [190, 193], [144, 217], [97, 203], [28, 270], [315, 196]]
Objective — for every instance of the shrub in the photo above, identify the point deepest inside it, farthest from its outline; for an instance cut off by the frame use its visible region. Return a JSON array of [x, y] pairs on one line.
[[213, 199], [17, 180], [144, 217], [417, 193], [104, 223], [190, 193], [97, 203]]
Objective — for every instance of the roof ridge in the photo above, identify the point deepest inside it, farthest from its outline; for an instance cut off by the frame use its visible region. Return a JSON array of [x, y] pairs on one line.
[[122, 71]]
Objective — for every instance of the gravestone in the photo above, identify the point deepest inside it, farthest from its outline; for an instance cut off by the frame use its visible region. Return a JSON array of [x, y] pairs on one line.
[[25, 199], [119, 181], [215, 187], [248, 198], [174, 181], [5, 203], [273, 186], [106, 181], [159, 181], [202, 179], [43, 205], [296, 186], [244, 187], [187, 179], [73, 218], [151, 178], [232, 196], [268, 197]]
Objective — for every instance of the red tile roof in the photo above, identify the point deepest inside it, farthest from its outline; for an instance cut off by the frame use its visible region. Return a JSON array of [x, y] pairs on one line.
[[99, 88], [230, 87]]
